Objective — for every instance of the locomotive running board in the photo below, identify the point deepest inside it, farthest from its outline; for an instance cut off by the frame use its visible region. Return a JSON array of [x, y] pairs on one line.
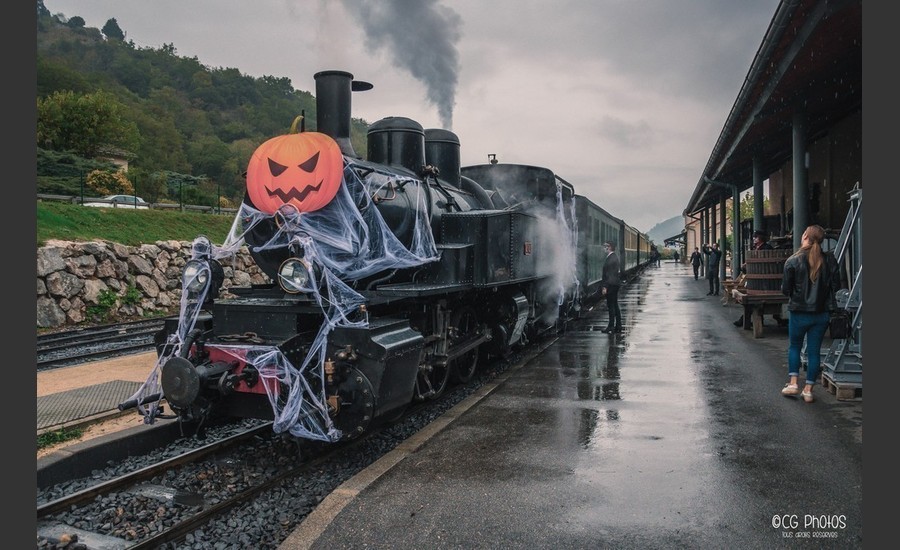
[[417, 290]]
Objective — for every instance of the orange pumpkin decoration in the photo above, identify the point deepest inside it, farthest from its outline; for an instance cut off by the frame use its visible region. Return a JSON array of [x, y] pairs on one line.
[[303, 170]]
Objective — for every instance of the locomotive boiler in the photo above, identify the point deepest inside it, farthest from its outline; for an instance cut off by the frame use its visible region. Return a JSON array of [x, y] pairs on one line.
[[389, 277]]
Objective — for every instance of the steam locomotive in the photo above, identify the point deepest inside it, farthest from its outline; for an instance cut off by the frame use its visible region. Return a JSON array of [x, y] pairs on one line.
[[391, 277]]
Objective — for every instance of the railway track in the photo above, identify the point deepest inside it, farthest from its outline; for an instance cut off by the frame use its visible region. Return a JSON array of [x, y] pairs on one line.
[[95, 343], [164, 490], [252, 494], [159, 505]]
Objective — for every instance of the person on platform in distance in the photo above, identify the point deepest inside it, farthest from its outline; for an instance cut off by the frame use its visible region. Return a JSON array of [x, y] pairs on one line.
[[714, 255], [811, 279], [695, 262], [610, 282]]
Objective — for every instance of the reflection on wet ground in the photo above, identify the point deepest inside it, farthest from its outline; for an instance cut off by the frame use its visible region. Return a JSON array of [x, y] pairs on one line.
[[671, 434], [640, 411]]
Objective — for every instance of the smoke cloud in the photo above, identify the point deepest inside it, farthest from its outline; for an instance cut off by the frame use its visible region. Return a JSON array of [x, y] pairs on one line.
[[421, 37]]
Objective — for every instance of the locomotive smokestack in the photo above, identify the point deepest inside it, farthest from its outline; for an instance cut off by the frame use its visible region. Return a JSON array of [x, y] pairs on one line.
[[333, 89]]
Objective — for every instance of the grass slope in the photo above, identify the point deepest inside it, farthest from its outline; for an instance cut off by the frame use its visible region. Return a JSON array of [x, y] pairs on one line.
[[73, 222]]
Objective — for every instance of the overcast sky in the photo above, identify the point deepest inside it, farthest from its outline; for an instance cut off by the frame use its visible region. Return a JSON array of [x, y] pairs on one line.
[[623, 98]]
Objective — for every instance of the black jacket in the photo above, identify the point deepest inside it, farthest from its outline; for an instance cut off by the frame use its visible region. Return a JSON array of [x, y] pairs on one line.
[[714, 256], [695, 258], [808, 296], [611, 271]]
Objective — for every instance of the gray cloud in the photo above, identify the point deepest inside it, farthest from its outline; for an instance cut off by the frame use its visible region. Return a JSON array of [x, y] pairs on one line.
[[625, 134], [698, 47], [421, 38]]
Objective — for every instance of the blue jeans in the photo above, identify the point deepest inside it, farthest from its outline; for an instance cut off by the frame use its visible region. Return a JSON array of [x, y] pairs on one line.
[[812, 326]]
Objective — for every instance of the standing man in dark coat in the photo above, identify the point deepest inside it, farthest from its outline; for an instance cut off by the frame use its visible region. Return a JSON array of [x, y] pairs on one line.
[[713, 255], [610, 281], [695, 262]]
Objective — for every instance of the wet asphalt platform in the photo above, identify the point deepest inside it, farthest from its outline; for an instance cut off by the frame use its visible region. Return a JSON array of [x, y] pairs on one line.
[[673, 434]]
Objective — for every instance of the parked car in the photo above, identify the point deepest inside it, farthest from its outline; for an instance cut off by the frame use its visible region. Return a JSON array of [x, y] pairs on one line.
[[121, 201]]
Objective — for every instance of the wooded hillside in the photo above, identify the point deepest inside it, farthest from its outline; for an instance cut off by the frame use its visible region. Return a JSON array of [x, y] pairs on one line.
[[185, 128]]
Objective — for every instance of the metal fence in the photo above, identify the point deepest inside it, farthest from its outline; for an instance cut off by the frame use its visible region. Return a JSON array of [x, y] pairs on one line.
[[75, 199]]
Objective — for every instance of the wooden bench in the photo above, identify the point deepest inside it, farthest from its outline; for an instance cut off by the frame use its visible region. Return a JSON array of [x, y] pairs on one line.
[[729, 286], [758, 303]]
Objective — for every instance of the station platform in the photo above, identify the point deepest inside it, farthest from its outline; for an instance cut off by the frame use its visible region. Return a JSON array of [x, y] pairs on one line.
[[672, 434], [84, 394]]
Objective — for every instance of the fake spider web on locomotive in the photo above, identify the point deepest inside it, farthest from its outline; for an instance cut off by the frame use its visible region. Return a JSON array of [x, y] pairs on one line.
[[387, 278]]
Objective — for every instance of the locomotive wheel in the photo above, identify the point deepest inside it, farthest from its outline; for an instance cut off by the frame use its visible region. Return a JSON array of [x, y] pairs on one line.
[[464, 324], [431, 381]]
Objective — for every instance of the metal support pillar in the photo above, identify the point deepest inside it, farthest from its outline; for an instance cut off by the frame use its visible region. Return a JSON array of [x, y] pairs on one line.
[[758, 202], [737, 253], [801, 187], [735, 219], [722, 227]]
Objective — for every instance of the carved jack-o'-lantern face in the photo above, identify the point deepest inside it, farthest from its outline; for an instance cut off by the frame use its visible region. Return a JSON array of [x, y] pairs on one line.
[[303, 170]]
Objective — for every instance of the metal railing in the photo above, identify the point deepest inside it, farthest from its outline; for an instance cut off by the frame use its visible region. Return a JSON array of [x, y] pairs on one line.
[[75, 199]]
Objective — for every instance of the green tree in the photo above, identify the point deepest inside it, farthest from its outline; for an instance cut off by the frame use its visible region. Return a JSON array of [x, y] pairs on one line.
[[133, 73], [53, 76], [162, 145], [83, 123], [103, 182], [154, 187], [747, 206], [209, 156], [112, 31], [76, 22]]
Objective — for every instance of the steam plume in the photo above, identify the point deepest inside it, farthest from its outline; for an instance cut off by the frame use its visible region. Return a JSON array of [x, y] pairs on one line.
[[421, 37]]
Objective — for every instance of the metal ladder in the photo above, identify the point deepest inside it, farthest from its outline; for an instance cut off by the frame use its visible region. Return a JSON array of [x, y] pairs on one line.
[[843, 362]]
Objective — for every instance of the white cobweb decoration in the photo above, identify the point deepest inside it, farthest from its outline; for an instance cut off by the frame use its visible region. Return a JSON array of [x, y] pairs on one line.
[[347, 240]]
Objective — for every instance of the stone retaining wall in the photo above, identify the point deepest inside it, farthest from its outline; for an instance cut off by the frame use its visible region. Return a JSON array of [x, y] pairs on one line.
[[76, 281]]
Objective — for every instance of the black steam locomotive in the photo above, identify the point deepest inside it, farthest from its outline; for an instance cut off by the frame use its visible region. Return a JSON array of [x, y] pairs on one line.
[[391, 277]]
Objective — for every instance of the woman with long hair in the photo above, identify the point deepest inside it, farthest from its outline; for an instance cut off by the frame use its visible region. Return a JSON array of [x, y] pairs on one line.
[[811, 279]]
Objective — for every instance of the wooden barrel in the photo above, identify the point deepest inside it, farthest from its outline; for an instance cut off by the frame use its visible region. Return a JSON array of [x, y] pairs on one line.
[[765, 268]]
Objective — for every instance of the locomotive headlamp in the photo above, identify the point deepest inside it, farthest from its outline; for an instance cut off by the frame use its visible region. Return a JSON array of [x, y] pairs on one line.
[[202, 272], [203, 278], [195, 277], [295, 275]]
